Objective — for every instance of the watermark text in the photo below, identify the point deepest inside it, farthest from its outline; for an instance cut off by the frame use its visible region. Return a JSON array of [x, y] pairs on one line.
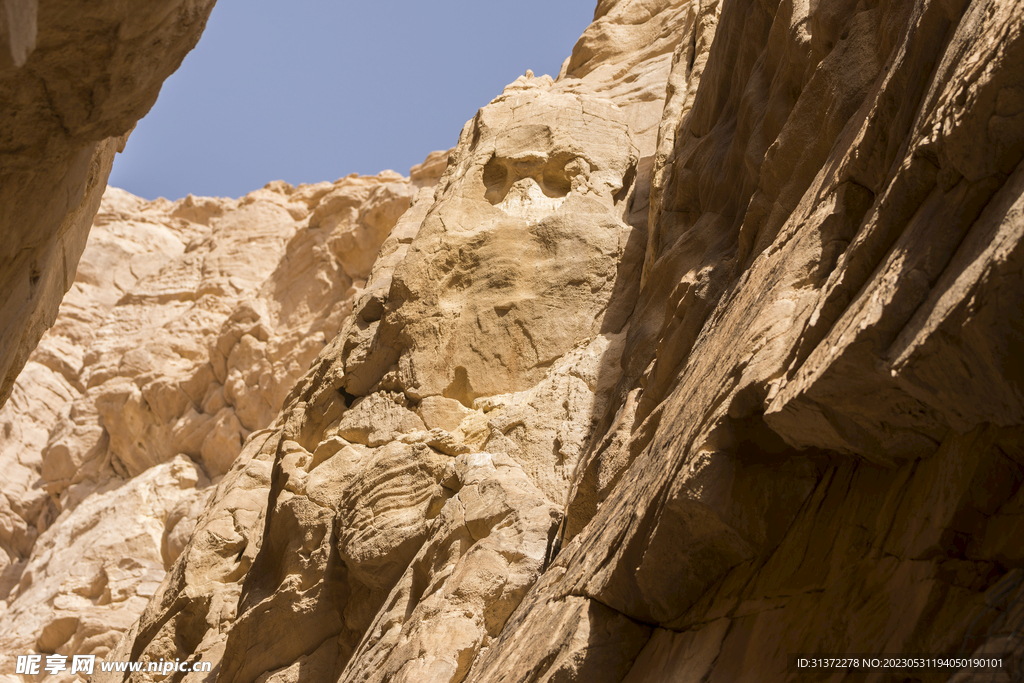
[[33, 665]]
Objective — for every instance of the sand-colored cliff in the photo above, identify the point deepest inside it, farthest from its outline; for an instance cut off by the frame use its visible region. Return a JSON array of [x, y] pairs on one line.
[[186, 327]]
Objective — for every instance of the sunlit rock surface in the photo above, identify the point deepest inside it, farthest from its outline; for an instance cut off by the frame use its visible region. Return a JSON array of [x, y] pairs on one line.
[[187, 325]]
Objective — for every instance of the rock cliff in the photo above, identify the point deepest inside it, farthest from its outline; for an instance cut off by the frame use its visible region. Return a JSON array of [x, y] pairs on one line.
[[186, 326], [704, 354], [75, 77]]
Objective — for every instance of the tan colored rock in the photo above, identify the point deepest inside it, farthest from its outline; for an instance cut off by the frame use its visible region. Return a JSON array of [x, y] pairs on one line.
[[627, 54], [359, 466], [438, 412], [539, 204], [75, 79], [182, 334], [376, 419], [91, 572], [487, 548], [635, 401], [547, 428], [779, 490]]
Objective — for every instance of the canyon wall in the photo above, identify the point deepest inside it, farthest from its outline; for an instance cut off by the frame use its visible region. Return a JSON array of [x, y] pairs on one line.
[[701, 355], [186, 327], [75, 77]]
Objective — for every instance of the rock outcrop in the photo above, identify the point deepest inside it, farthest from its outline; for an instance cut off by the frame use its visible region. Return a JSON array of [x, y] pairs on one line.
[[700, 356], [75, 77], [186, 327]]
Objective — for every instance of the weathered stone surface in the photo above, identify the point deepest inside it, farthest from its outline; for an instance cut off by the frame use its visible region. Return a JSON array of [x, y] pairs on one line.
[[783, 489], [527, 222], [401, 442], [184, 331], [91, 572], [643, 399], [627, 55], [74, 78]]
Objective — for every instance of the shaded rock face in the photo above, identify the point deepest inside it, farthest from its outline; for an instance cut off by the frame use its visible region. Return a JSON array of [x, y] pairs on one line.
[[75, 77], [701, 355]]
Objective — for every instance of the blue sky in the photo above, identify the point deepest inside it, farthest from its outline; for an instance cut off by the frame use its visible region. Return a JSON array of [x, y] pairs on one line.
[[331, 88]]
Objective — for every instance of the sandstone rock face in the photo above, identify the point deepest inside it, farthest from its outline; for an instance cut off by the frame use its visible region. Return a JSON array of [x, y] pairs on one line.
[[629, 398], [186, 327], [74, 79], [790, 482], [525, 224]]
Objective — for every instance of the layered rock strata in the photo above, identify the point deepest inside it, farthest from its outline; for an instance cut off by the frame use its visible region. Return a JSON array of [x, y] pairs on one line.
[[700, 356], [186, 327], [75, 77]]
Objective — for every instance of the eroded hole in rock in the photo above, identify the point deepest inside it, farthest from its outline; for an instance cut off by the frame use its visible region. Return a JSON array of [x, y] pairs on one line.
[[555, 182], [529, 172], [373, 309], [348, 398], [495, 180]]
